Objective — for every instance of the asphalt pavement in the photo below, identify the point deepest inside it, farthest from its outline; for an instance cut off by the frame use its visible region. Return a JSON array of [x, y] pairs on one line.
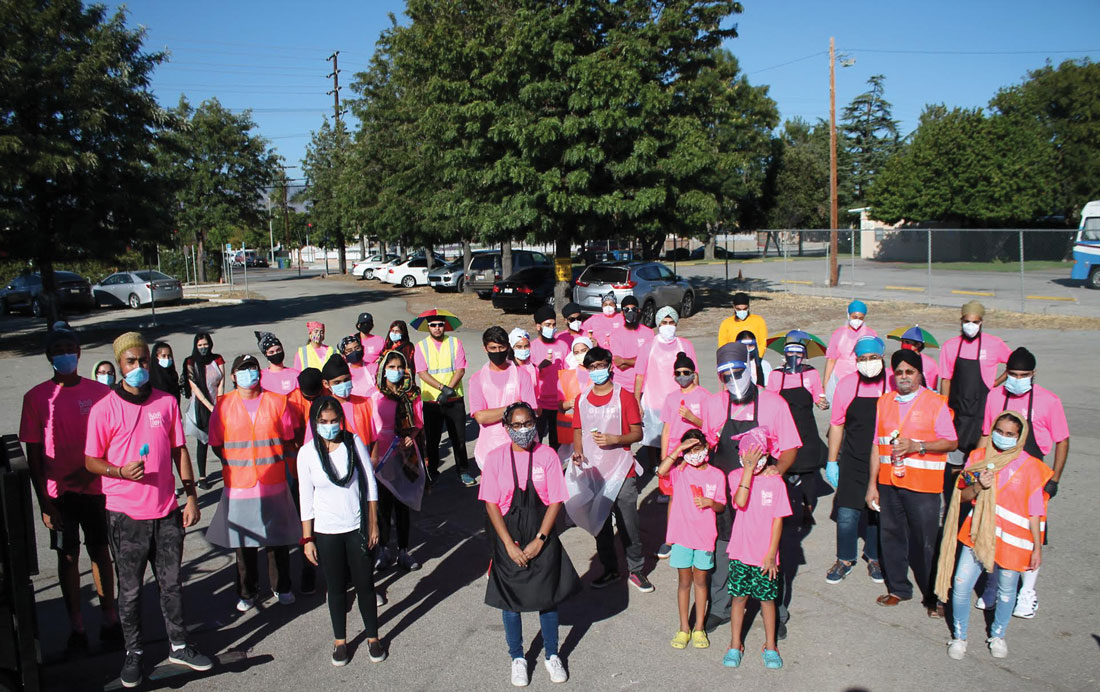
[[440, 633]]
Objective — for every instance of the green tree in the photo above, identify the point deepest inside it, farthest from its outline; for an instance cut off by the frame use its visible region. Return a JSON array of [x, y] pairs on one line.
[[801, 196], [325, 170], [78, 135], [872, 136]]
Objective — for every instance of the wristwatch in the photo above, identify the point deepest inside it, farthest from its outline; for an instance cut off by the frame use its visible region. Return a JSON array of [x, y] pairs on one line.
[[923, 451], [542, 537]]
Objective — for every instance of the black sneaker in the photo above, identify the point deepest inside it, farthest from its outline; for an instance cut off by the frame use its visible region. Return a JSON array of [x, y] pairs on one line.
[[376, 651], [111, 635], [340, 655], [204, 484], [781, 631], [131, 670], [189, 656], [606, 580], [639, 582], [77, 643]]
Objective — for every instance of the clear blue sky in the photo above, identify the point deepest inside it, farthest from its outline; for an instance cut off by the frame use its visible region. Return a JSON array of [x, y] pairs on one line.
[[270, 56]]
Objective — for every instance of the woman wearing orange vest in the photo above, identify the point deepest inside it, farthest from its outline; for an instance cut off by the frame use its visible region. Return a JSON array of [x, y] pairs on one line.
[[1002, 533], [252, 432], [571, 381], [913, 434]]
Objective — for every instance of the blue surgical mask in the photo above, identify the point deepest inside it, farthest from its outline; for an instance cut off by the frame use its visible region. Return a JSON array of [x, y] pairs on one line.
[[394, 376], [64, 363], [522, 353], [342, 390], [741, 314], [107, 379], [600, 376], [547, 332], [1018, 385], [164, 362], [329, 431], [137, 377], [1003, 442], [396, 336], [906, 398], [248, 379]]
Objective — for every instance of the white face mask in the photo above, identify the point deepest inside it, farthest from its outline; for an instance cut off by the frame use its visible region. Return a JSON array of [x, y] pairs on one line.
[[741, 314], [609, 310], [971, 329], [575, 325], [547, 332], [855, 323], [695, 458], [869, 368], [396, 336], [667, 332]]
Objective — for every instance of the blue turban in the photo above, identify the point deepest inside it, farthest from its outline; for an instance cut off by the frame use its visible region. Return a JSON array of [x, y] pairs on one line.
[[870, 345], [857, 306]]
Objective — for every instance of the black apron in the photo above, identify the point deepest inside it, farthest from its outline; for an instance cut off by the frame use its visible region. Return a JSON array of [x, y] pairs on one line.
[[727, 457], [1030, 445], [967, 399], [854, 464], [801, 403], [547, 580]]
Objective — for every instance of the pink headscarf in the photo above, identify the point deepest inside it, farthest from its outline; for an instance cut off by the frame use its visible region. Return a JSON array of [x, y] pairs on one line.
[[310, 326]]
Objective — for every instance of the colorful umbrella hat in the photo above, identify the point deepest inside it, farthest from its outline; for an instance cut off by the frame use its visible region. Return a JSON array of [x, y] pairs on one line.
[[914, 333], [420, 322], [815, 347]]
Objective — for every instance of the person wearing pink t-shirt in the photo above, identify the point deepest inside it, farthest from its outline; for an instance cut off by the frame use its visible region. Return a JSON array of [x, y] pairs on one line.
[[840, 359], [600, 327], [519, 340], [135, 438], [54, 428], [276, 377], [968, 371], [548, 354], [373, 345], [492, 388], [630, 345], [699, 494]]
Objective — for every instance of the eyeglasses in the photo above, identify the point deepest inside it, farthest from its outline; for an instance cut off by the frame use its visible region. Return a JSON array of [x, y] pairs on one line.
[[684, 372], [522, 425], [434, 325]]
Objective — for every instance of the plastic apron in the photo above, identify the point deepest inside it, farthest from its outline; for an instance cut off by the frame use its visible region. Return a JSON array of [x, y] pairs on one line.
[[801, 403], [854, 463], [967, 400], [405, 480], [727, 457], [594, 485], [491, 436]]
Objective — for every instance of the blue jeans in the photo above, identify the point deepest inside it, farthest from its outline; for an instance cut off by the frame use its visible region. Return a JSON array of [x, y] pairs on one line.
[[966, 576], [513, 632], [847, 534]]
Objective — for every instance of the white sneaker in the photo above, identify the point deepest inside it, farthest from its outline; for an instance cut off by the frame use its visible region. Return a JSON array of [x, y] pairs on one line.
[[998, 647], [245, 604], [285, 598], [980, 604], [956, 649], [556, 669], [406, 561], [519, 673], [379, 599], [1027, 602]]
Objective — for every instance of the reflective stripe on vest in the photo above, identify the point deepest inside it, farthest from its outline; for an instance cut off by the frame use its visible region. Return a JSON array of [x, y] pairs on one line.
[[310, 359], [253, 450], [441, 361], [923, 473]]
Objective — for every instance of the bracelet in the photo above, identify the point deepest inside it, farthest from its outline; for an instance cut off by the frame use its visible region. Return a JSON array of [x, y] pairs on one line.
[[305, 539]]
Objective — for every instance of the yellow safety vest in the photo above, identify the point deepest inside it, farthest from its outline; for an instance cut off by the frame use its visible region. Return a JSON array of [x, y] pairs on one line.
[[441, 362], [309, 358]]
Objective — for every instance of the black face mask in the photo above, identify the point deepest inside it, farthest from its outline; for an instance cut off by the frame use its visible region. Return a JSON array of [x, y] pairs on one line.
[[498, 358], [276, 358], [630, 315], [354, 358]]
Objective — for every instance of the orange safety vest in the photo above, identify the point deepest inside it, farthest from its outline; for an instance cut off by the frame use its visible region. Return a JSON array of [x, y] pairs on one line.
[[252, 451], [923, 473], [570, 389], [1013, 530]]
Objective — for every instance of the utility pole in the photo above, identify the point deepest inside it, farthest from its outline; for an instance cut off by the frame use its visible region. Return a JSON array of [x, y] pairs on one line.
[[337, 127], [834, 271]]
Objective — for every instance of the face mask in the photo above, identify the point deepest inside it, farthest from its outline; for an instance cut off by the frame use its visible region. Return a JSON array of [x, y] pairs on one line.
[[906, 398], [685, 380], [547, 332], [394, 376], [137, 377], [908, 347], [740, 314], [396, 336], [277, 358], [971, 329], [575, 325], [630, 315], [522, 353], [667, 331], [524, 438], [204, 350], [600, 376], [738, 385], [498, 358], [107, 379], [329, 431], [869, 368], [609, 310], [342, 390], [855, 323], [1003, 442], [316, 337], [164, 362], [794, 361], [247, 379], [1018, 385], [64, 363], [354, 358], [696, 458]]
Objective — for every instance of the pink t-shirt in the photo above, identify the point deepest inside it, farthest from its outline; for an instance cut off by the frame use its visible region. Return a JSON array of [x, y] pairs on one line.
[[117, 430], [994, 351], [283, 382], [491, 388], [630, 343], [929, 369], [385, 409], [555, 352], [842, 349], [773, 414], [362, 383], [689, 525], [600, 327], [497, 485], [660, 378], [846, 392], [695, 401], [751, 535], [533, 373], [372, 349], [421, 362], [808, 378], [1048, 418], [56, 417]]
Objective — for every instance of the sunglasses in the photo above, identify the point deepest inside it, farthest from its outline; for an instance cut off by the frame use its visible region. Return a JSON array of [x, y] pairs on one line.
[[433, 325], [685, 372]]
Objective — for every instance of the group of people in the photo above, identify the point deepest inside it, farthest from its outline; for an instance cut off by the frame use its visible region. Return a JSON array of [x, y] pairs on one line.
[[334, 453]]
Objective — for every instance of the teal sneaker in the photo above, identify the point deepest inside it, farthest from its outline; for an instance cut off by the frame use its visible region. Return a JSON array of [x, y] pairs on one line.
[[732, 659], [772, 659]]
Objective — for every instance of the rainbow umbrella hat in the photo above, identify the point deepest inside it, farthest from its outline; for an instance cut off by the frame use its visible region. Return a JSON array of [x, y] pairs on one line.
[[420, 322], [815, 347], [914, 333]]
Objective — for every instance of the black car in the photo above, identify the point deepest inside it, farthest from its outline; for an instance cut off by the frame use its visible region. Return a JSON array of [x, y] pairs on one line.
[[485, 270], [525, 290], [25, 293]]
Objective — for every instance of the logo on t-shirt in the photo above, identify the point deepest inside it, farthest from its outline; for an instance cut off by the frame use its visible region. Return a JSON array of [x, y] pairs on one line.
[[538, 474], [85, 406], [766, 497], [155, 419], [712, 489]]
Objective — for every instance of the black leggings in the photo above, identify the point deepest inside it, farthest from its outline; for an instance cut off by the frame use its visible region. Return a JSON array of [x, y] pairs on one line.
[[390, 505], [338, 553], [200, 457]]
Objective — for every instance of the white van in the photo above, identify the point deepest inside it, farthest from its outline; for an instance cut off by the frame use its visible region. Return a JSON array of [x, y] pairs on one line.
[[1086, 247]]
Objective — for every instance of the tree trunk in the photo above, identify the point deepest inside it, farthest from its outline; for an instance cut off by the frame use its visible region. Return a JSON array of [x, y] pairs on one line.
[[428, 254], [402, 251], [343, 254], [563, 289], [708, 249], [506, 259], [201, 258], [362, 244], [467, 257]]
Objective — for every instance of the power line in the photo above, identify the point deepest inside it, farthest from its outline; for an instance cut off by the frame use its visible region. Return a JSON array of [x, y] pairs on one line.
[[972, 52], [240, 44], [789, 62]]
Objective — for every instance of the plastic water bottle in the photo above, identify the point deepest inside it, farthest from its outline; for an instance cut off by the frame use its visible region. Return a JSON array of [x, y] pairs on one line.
[[896, 459]]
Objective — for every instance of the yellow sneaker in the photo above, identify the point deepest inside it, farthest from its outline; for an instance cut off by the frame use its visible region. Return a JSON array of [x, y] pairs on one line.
[[699, 639], [680, 641]]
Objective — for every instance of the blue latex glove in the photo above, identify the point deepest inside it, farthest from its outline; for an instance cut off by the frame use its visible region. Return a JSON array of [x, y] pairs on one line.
[[832, 473]]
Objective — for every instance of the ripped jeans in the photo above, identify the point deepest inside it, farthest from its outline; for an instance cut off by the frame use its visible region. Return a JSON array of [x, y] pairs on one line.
[[966, 576]]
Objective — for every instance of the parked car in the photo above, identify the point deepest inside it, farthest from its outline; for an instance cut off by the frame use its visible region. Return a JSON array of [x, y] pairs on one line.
[[484, 269], [526, 290], [719, 252], [249, 258], [24, 293], [449, 277], [411, 272], [680, 254], [652, 283], [365, 269], [137, 288]]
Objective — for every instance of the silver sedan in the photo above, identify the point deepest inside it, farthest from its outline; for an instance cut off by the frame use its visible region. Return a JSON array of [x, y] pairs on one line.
[[137, 288]]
